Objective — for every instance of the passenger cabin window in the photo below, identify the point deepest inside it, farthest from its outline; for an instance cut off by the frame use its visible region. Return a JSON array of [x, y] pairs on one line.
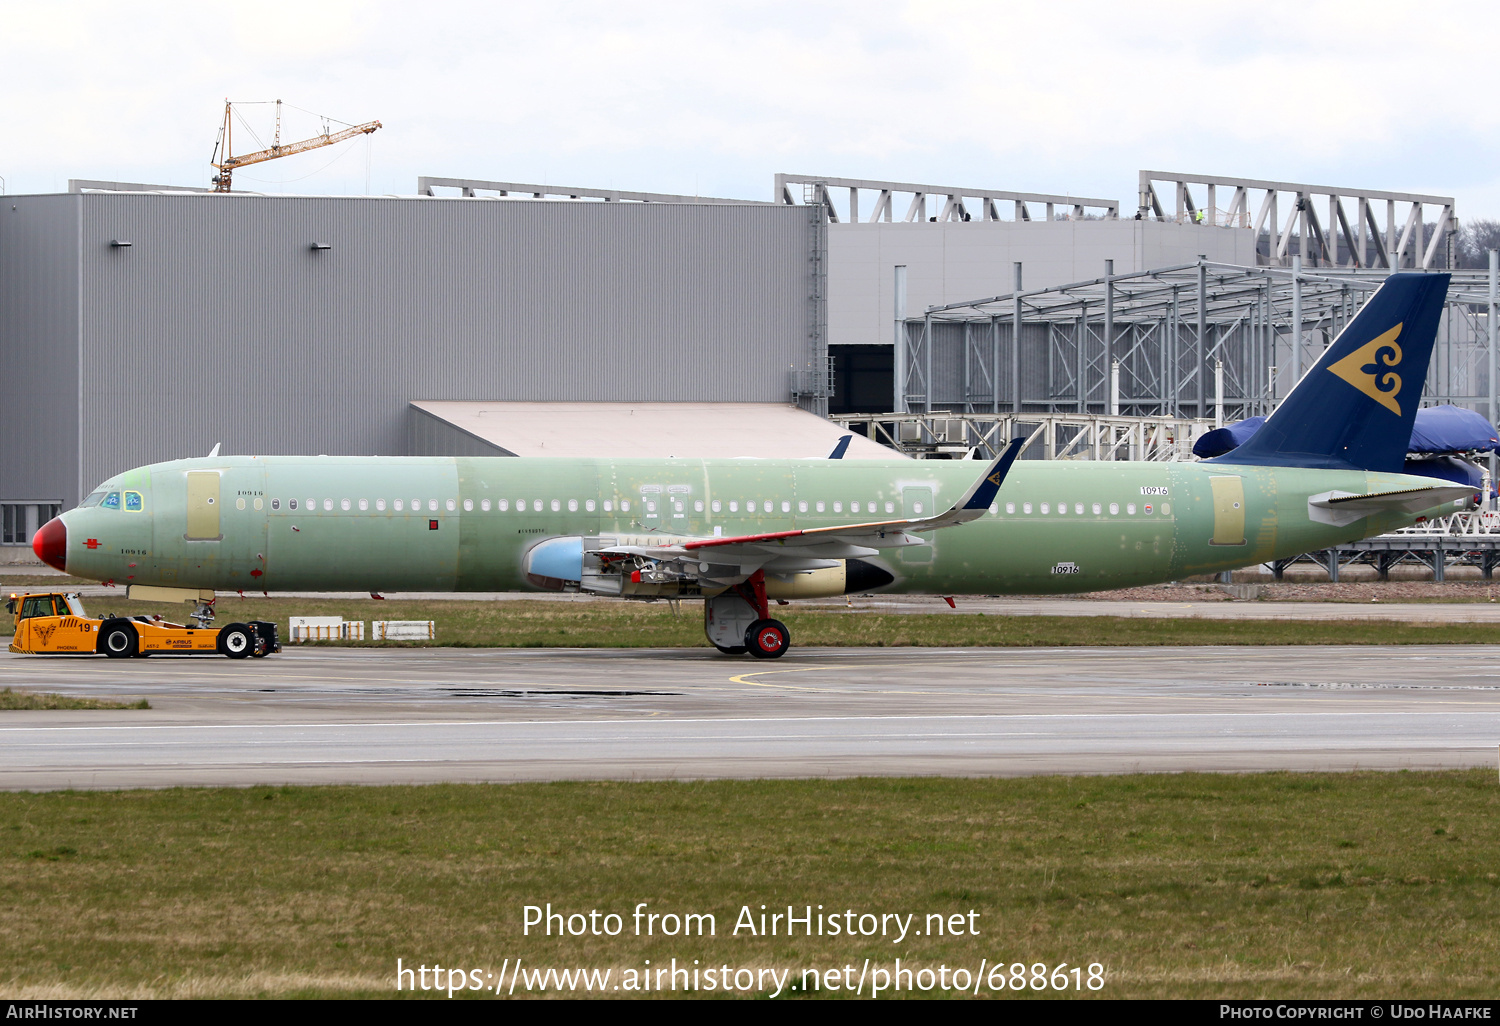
[[786, 507], [890, 507], [734, 505], [624, 505], [1114, 509], [380, 505], [503, 505], [572, 505], [239, 503], [608, 505], [1010, 507], [1130, 508], [450, 505], [1078, 508], [820, 507], [1046, 508], [276, 503], [838, 507], [344, 505], [697, 505], [485, 505], [468, 505], [588, 504], [1026, 507], [1098, 509], [717, 506]]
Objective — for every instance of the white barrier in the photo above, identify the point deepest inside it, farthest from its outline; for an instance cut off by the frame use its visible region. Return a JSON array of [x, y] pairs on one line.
[[403, 630], [326, 628]]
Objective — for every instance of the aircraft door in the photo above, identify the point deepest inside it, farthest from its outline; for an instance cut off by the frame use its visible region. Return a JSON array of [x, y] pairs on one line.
[[917, 501], [1229, 510], [203, 506]]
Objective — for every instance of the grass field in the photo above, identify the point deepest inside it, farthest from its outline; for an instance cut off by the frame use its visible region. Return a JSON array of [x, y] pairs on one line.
[[1269, 885], [563, 624], [17, 700]]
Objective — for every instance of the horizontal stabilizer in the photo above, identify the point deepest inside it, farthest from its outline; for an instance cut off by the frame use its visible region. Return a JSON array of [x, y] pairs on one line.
[[1342, 508]]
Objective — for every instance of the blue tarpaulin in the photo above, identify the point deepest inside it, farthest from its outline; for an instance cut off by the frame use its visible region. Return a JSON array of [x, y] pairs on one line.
[[1438, 429], [1451, 429], [1447, 468]]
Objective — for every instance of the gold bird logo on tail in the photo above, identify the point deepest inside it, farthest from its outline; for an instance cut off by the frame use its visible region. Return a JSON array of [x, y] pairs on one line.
[[1370, 369]]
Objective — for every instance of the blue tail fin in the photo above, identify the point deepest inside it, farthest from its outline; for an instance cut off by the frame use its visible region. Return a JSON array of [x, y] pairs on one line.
[[1354, 409]]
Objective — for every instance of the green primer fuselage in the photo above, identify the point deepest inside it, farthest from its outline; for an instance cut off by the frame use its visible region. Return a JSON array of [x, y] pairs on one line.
[[1055, 526]]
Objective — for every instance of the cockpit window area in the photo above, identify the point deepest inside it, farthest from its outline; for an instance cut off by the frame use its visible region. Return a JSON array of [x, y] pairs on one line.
[[41, 605], [133, 502], [111, 501], [92, 499]]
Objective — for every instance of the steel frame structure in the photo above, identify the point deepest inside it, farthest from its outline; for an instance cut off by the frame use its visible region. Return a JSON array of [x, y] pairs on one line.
[[1205, 342], [472, 188], [813, 190], [1338, 242]]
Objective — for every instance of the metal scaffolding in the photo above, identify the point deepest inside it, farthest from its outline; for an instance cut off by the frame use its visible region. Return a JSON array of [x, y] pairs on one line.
[[1339, 242], [839, 199], [1192, 346]]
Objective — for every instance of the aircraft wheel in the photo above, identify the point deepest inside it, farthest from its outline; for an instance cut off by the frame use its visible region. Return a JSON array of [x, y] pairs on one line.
[[119, 641], [767, 639], [734, 650], [236, 641]]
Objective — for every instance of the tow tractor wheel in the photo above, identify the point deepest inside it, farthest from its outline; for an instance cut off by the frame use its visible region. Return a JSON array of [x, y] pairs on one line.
[[767, 639], [236, 641], [735, 650], [119, 640]]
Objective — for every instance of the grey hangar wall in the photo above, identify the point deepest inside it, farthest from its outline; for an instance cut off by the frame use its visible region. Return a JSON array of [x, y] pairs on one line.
[[220, 323]]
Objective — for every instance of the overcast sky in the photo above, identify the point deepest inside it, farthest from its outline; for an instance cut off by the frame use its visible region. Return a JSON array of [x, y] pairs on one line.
[[713, 99]]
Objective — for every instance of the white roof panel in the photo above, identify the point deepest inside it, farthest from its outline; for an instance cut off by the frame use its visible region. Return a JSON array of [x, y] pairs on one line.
[[767, 430]]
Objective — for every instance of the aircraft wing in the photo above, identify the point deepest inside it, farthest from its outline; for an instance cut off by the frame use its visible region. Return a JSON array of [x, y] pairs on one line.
[[812, 548], [1341, 508]]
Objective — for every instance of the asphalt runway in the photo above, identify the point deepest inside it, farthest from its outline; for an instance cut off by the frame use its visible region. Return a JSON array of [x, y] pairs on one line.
[[422, 715]]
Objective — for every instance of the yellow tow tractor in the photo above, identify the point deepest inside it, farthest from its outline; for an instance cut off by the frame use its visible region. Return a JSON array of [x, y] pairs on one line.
[[55, 623]]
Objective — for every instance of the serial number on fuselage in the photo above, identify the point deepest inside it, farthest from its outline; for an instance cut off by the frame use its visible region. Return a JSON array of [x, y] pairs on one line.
[[1153, 489]]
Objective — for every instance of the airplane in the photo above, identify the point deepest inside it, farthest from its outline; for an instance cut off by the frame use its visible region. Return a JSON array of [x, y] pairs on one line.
[[1325, 469]]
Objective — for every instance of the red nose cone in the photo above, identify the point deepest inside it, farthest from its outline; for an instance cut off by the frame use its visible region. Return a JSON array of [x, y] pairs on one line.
[[51, 544]]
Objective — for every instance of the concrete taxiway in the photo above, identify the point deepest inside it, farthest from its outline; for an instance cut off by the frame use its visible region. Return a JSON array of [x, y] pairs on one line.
[[421, 715]]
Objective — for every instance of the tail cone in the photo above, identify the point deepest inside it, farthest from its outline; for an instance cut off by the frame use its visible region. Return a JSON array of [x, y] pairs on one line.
[[51, 544]]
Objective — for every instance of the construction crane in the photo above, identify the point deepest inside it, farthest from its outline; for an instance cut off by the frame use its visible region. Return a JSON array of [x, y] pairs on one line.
[[226, 162]]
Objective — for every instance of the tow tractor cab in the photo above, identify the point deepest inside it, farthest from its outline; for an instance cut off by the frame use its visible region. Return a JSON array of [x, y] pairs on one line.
[[56, 623]]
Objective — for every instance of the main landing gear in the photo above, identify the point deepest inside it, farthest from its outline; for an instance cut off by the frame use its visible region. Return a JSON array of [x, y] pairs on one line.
[[739, 621]]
